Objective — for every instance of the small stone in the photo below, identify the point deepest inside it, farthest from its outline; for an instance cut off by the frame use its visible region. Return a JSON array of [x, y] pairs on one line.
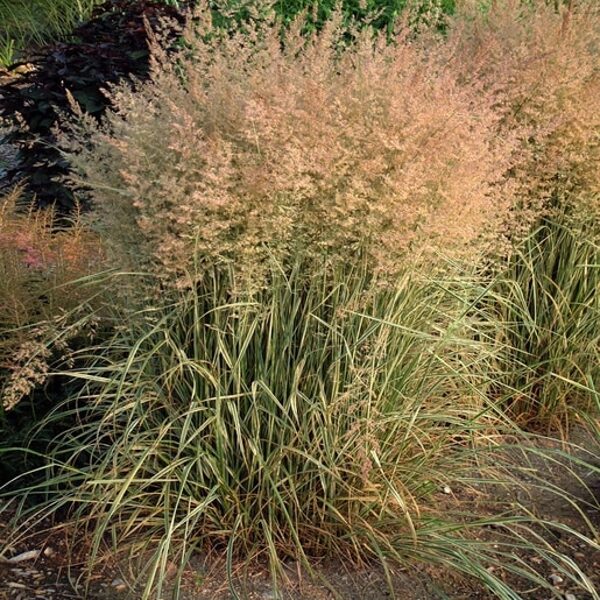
[[119, 584], [447, 489], [570, 596], [555, 579], [16, 586], [49, 552], [24, 556]]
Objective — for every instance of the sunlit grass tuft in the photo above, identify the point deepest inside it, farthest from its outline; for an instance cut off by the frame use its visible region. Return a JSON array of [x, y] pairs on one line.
[[319, 417], [37, 22], [549, 315]]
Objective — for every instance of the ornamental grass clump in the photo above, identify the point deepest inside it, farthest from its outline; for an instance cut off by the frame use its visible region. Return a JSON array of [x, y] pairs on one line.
[[547, 309], [542, 63], [318, 418], [247, 145], [274, 400]]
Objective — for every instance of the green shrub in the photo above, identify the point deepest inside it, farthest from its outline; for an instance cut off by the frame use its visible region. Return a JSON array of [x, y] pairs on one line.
[[380, 14]]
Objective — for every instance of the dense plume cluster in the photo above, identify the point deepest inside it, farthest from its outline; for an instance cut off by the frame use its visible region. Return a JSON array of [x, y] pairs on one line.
[[251, 144], [542, 65], [252, 147]]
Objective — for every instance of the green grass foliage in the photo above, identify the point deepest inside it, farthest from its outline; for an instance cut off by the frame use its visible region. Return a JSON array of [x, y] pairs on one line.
[[314, 418], [36, 22], [549, 314]]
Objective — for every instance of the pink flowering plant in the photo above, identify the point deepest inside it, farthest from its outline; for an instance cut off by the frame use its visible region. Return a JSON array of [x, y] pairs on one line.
[[37, 262]]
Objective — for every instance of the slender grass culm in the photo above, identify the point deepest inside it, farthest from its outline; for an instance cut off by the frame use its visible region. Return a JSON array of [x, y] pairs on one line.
[[37, 22], [549, 315], [312, 418]]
